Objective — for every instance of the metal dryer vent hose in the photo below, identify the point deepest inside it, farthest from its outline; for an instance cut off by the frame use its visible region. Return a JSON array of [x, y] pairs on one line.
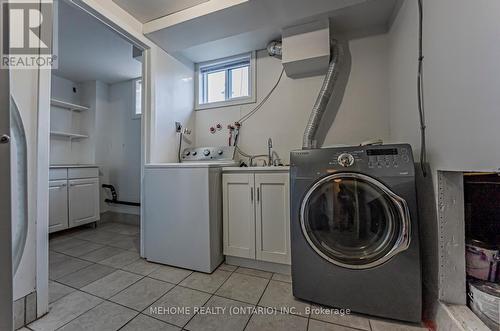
[[330, 96], [275, 48]]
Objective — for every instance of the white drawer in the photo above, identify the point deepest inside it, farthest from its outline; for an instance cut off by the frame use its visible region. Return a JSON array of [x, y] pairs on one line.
[[76, 173], [58, 174]]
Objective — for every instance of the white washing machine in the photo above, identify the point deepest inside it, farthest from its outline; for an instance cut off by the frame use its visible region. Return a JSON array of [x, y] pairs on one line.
[[183, 209]]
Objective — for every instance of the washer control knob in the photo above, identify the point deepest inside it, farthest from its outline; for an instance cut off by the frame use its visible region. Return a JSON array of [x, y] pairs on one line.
[[188, 153], [206, 152], [220, 152], [195, 153], [346, 160]]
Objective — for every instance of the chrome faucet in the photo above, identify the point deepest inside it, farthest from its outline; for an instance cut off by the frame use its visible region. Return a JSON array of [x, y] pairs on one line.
[[269, 152]]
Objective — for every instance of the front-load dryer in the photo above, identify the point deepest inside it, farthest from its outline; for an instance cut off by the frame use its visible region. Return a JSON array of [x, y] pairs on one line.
[[354, 230]]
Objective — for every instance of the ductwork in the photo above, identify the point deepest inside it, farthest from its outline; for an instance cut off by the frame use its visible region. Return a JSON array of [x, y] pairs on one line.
[[330, 96], [275, 48]]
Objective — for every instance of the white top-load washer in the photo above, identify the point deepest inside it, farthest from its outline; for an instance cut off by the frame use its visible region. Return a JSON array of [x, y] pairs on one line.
[[183, 209]]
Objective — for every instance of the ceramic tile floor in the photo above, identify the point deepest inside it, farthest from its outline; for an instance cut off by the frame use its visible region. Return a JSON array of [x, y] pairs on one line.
[[99, 282]]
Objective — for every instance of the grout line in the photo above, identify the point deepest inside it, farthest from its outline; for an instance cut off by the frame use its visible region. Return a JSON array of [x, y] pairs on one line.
[[108, 300], [100, 303], [268, 282], [242, 273], [211, 294], [341, 325], [135, 316]]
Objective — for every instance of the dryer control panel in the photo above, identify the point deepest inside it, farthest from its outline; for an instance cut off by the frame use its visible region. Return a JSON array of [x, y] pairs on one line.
[[380, 160], [373, 158], [387, 157]]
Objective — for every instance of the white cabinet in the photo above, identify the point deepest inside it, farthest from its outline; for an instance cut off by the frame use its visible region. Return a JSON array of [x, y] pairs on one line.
[[272, 217], [73, 197], [256, 216], [58, 205], [238, 215], [83, 201]]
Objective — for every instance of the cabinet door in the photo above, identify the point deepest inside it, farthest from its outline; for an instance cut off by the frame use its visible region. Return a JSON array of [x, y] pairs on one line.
[[83, 201], [239, 215], [272, 217], [58, 205]]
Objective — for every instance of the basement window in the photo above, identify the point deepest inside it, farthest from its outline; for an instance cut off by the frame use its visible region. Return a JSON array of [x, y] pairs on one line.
[[225, 82]]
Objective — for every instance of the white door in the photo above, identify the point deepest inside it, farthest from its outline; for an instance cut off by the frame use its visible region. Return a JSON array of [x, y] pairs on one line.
[[6, 287], [272, 220], [83, 201], [58, 205], [239, 215]]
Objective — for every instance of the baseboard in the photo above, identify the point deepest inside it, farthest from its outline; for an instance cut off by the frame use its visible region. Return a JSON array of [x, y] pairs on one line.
[[111, 216], [261, 265], [124, 209]]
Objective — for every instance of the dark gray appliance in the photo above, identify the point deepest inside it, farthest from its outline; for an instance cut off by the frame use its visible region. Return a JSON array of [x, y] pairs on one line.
[[354, 231]]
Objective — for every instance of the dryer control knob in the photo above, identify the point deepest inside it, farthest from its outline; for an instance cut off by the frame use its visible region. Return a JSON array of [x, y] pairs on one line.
[[346, 160], [206, 152]]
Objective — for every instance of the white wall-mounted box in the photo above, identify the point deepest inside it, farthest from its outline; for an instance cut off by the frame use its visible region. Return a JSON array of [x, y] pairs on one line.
[[306, 49]]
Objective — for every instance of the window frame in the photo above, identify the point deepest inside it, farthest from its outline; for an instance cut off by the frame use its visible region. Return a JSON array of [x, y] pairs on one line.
[[200, 81], [136, 116]]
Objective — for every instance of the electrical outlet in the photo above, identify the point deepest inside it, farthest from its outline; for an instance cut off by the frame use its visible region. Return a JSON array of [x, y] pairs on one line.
[[178, 127]]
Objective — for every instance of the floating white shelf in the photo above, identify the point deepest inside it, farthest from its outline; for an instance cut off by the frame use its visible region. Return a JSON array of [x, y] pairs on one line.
[[67, 105], [68, 135]]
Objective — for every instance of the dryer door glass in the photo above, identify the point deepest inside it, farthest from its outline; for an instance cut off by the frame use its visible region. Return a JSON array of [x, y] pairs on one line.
[[354, 221]]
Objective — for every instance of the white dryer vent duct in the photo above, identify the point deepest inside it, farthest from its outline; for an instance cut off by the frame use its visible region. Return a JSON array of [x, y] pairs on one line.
[[330, 96]]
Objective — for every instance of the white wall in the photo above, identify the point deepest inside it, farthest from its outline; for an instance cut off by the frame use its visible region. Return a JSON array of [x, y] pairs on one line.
[[362, 116], [462, 79], [121, 138], [62, 89], [103, 122], [173, 97]]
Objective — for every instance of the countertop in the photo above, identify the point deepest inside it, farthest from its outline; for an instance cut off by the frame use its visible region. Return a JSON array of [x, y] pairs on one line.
[[188, 165], [63, 166], [257, 169]]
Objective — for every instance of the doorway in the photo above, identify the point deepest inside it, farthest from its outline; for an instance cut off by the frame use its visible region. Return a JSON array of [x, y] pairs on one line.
[[95, 151]]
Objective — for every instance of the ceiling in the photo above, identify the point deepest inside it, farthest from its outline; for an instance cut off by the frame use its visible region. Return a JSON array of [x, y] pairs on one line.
[[149, 10], [232, 27], [356, 21], [89, 50]]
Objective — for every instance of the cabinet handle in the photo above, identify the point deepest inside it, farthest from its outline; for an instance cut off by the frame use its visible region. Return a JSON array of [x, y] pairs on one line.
[[251, 194], [258, 194]]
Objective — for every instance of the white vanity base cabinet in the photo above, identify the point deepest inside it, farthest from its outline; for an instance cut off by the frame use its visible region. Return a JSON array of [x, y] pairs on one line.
[[83, 201], [256, 218], [58, 205], [73, 197]]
